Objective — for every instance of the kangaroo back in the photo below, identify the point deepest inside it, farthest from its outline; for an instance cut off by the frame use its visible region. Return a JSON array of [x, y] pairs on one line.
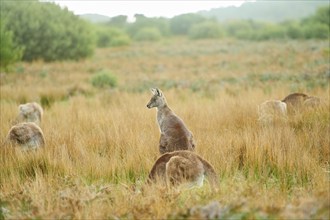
[[159, 168], [312, 102], [295, 98], [181, 166], [295, 102], [272, 111], [184, 169], [27, 135], [175, 136]]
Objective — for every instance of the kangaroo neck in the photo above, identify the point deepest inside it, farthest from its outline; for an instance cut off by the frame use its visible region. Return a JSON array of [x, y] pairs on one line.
[[162, 113], [163, 110]]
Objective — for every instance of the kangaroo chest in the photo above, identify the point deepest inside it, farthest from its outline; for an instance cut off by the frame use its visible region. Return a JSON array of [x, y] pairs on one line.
[[161, 118], [168, 121]]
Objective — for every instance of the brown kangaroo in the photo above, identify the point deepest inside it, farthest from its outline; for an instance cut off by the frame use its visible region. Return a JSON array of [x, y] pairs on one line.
[[174, 133], [28, 135], [299, 101], [180, 167]]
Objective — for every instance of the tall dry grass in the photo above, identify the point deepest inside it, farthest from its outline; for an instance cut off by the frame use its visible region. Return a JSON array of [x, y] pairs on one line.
[[101, 144]]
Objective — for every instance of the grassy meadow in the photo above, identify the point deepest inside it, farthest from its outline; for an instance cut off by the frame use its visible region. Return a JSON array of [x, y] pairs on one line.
[[102, 142]]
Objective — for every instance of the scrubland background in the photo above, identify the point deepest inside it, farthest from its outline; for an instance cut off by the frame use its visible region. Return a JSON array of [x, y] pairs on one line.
[[102, 140]]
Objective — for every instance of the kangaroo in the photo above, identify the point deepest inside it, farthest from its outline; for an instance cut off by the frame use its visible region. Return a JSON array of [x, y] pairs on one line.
[[312, 102], [30, 112], [174, 133], [299, 101], [179, 167], [271, 110], [295, 101], [28, 135]]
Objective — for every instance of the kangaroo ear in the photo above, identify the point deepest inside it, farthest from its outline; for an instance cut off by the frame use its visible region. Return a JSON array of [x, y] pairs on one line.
[[159, 92], [153, 91]]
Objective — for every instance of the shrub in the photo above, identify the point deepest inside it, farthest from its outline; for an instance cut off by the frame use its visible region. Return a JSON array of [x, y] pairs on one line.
[[181, 24], [322, 15], [270, 31], [46, 100], [316, 30], [49, 97], [240, 29], [103, 38], [148, 34], [9, 53], [205, 30], [104, 79], [142, 22], [47, 31], [107, 37], [121, 40], [293, 30], [317, 25]]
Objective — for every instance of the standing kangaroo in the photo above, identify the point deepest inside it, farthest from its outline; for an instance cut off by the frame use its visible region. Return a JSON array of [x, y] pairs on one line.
[[174, 133]]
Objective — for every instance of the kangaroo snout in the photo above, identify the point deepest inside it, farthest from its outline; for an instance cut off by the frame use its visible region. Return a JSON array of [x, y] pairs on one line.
[[148, 106]]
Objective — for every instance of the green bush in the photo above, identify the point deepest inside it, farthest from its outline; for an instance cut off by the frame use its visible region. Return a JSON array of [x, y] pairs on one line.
[[121, 40], [239, 29], [148, 34], [104, 79], [316, 30], [9, 53], [293, 30], [47, 31], [270, 31], [103, 38], [322, 15], [119, 21], [205, 30], [111, 37], [181, 24], [317, 26], [142, 22]]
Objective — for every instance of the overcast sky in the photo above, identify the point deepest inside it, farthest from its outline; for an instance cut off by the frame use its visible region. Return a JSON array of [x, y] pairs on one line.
[[149, 8]]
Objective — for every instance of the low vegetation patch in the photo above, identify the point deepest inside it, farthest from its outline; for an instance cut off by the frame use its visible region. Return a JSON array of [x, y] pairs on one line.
[[104, 79]]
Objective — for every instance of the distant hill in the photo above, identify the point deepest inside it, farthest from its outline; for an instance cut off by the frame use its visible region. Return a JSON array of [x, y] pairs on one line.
[[95, 18], [275, 11]]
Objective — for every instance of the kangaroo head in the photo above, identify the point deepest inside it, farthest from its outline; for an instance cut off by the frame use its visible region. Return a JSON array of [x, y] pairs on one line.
[[29, 112], [157, 100], [25, 109]]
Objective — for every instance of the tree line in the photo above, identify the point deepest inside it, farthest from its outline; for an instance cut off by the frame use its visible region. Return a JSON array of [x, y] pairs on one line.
[[36, 30], [196, 26]]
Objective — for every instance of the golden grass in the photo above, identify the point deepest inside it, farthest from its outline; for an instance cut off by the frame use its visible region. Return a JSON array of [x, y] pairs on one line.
[[101, 144]]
